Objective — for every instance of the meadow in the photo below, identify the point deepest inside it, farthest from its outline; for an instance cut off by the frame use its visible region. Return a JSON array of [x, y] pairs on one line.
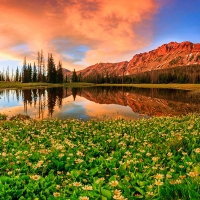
[[156, 158], [14, 85]]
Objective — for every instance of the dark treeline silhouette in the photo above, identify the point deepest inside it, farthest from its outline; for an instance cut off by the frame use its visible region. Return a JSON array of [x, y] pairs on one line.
[[179, 74], [36, 73], [51, 73]]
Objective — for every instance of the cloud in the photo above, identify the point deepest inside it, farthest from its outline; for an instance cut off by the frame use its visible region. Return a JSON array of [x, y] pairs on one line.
[[107, 29]]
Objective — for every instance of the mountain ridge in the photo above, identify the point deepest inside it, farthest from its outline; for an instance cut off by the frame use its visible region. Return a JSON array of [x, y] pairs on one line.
[[165, 56]]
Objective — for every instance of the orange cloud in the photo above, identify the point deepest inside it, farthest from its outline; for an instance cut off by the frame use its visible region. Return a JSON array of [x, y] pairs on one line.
[[107, 28]]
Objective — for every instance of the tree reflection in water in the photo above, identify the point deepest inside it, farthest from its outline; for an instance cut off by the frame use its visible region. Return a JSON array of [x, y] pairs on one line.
[[140, 100]]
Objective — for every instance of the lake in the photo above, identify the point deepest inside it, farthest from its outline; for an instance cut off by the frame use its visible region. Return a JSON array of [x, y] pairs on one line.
[[98, 102]]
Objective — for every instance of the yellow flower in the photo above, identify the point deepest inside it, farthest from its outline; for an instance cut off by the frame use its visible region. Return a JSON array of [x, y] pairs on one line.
[[56, 194], [84, 198], [175, 182], [155, 158], [78, 161], [87, 187], [197, 150], [158, 182], [168, 176], [114, 183], [192, 174], [79, 153], [57, 187], [150, 193], [10, 172], [117, 192], [119, 197], [159, 176], [169, 154], [148, 154], [77, 184], [35, 177]]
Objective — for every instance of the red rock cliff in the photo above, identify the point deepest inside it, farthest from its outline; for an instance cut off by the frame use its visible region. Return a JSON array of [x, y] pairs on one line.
[[168, 55]]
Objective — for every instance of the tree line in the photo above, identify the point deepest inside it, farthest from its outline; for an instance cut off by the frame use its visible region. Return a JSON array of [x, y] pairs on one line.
[[178, 74], [50, 73]]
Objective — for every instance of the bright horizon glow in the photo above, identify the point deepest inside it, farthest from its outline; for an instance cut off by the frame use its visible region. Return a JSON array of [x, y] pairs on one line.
[[83, 33]]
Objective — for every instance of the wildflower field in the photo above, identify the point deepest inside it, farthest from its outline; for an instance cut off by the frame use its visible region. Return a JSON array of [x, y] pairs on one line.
[[157, 158]]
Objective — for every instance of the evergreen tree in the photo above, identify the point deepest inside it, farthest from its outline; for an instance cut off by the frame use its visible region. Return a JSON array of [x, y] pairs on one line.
[[74, 76], [80, 77], [34, 73], [24, 71], [59, 73], [17, 75], [29, 73], [66, 78], [51, 70], [7, 74], [20, 77]]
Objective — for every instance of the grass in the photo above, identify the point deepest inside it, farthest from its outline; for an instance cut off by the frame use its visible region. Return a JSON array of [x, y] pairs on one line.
[[9, 85], [13, 85], [167, 86], [3, 116], [79, 84], [157, 158]]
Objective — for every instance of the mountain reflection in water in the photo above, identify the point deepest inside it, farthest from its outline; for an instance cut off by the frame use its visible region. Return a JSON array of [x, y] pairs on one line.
[[91, 102]]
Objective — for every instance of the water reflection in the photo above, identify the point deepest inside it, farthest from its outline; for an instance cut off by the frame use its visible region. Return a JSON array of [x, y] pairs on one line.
[[92, 102]]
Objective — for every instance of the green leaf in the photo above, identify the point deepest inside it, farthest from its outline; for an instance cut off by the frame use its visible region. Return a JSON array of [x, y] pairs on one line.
[[112, 178], [106, 193], [92, 172], [4, 179], [197, 169], [103, 198], [139, 190], [74, 173]]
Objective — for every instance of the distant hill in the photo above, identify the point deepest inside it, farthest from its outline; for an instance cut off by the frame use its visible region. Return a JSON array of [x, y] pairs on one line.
[[66, 72], [166, 56]]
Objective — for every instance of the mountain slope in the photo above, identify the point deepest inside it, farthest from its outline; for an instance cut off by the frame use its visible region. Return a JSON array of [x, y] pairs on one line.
[[166, 56]]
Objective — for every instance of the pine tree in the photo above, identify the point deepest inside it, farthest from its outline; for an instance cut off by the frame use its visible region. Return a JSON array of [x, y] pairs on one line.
[[20, 77], [59, 73], [74, 76], [24, 71], [34, 73], [51, 70], [80, 77], [29, 73], [17, 75], [7, 74], [66, 78]]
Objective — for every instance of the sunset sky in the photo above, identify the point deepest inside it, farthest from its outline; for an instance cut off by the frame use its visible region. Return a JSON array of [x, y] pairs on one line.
[[84, 32]]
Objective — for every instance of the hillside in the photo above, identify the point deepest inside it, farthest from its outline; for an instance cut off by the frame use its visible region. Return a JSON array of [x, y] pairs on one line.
[[166, 56]]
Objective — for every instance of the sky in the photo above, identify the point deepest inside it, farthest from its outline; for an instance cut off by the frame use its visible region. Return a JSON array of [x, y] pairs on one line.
[[81, 33]]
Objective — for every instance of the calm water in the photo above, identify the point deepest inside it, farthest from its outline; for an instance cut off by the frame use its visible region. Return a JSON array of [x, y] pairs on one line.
[[101, 102]]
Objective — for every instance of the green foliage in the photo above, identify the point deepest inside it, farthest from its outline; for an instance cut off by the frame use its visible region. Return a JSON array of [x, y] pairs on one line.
[[74, 77], [59, 73], [51, 70], [71, 159], [3, 116]]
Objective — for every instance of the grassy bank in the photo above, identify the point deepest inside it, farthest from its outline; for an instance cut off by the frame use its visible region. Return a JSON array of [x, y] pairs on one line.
[[156, 158], [195, 87], [14, 85], [9, 85]]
